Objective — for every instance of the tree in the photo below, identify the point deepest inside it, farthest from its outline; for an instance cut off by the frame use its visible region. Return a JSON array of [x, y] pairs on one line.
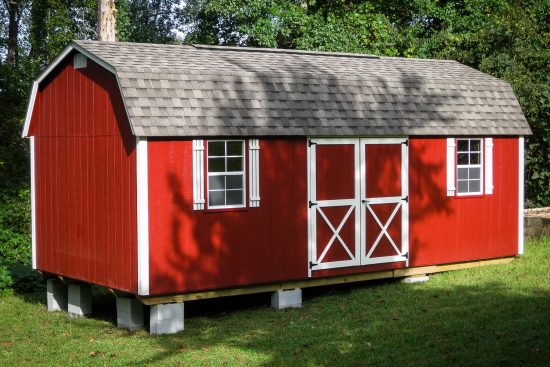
[[15, 9], [106, 20], [151, 21]]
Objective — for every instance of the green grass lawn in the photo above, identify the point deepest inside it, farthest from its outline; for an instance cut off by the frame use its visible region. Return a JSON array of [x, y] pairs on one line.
[[490, 316]]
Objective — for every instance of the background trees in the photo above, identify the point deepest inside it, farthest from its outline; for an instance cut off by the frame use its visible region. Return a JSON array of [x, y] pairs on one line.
[[505, 38]]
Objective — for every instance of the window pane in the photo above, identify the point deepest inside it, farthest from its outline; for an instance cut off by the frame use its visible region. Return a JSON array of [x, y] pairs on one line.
[[216, 148], [234, 197], [234, 164], [462, 158], [216, 182], [475, 173], [462, 173], [234, 148], [474, 158], [462, 187], [216, 198], [475, 145], [462, 145], [475, 186], [216, 164], [234, 182]]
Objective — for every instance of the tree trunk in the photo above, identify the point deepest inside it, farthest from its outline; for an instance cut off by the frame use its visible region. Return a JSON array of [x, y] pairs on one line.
[[106, 20], [14, 8]]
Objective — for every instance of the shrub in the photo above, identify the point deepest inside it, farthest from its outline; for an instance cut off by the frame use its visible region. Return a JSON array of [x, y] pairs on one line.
[[25, 279], [6, 280], [15, 227]]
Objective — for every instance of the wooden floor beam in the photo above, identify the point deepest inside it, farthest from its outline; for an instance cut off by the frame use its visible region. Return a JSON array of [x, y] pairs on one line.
[[316, 282]]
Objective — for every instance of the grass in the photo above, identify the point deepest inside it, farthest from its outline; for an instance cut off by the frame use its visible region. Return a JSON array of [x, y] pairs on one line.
[[491, 316]]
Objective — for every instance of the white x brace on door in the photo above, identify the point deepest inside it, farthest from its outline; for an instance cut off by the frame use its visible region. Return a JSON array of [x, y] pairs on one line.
[[358, 201]]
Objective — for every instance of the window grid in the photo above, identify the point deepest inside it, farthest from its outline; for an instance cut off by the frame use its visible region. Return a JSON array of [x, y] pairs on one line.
[[469, 167], [214, 197]]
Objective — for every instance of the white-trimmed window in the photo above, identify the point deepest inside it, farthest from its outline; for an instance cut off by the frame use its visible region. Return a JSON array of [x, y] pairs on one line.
[[222, 164], [225, 169], [469, 166]]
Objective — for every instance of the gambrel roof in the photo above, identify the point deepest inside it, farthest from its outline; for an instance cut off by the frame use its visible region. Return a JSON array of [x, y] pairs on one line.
[[175, 90]]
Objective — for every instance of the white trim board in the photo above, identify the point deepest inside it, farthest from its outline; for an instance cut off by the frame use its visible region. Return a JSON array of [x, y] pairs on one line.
[[142, 188], [33, 203], [32, 98], [521, 193]]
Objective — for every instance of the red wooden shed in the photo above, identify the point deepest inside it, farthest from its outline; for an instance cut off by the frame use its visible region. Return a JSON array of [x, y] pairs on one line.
[[181, 172]]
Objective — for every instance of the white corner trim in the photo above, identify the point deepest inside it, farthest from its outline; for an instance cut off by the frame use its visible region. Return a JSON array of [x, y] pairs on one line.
[[521, 188], [142, 187], [33, 203], [50, 68], [310, 244]]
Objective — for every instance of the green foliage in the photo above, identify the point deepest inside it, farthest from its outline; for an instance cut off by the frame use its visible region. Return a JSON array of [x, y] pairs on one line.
[[14, 227], [6, 281], [25, 279], [146, 21]]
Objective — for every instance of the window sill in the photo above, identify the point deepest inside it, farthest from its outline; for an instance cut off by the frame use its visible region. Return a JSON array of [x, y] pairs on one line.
[[470, 196], [225, 210]]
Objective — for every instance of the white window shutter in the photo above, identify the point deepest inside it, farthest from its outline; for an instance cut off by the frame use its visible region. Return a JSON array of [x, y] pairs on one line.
[[488, 166], [198, 175], [254, 172], [451, 167]]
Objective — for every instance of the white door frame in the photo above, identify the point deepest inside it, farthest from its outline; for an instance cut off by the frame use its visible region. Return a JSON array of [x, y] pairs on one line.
[[360, 257], [316, 206]]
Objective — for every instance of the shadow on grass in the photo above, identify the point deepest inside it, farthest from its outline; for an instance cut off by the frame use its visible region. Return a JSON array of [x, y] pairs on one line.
[[379, 324]]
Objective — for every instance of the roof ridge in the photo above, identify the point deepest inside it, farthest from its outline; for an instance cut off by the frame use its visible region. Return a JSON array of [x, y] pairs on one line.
[[284, 51]]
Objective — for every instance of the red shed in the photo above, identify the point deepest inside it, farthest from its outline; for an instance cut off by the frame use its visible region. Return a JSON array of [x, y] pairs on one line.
[[175, 173]]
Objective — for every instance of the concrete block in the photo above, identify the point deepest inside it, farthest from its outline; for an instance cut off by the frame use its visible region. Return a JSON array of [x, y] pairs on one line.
[[129, 313], [80, 300], [56, 295], [166, 318], [285, 299], [416, 279]]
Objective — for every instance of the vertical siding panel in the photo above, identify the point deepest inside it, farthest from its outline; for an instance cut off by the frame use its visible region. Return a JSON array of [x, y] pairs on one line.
[[85, 185], [100, 209], [87, 209]]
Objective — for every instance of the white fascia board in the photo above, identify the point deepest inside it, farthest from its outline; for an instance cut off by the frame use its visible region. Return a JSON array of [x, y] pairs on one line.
[[30, 108], [72, 46], [142, 188]]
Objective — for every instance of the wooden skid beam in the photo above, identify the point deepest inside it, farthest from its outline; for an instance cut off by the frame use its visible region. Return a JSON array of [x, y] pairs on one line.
[[384, 274]]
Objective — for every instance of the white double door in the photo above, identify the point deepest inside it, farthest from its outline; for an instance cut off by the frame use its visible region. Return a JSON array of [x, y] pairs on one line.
[[358, 201]]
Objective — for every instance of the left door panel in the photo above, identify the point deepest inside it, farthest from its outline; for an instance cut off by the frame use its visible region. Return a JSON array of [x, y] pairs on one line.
[[334, 203]]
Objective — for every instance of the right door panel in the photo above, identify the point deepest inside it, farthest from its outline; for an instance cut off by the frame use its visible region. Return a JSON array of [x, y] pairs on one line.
[[384, 199]]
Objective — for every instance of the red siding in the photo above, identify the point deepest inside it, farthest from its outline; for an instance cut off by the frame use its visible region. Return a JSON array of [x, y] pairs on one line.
[[198, 250], [85, 179], [452, 229], [193, 250]]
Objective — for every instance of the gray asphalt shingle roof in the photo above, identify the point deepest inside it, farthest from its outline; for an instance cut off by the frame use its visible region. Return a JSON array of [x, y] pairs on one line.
[[172, 90]]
